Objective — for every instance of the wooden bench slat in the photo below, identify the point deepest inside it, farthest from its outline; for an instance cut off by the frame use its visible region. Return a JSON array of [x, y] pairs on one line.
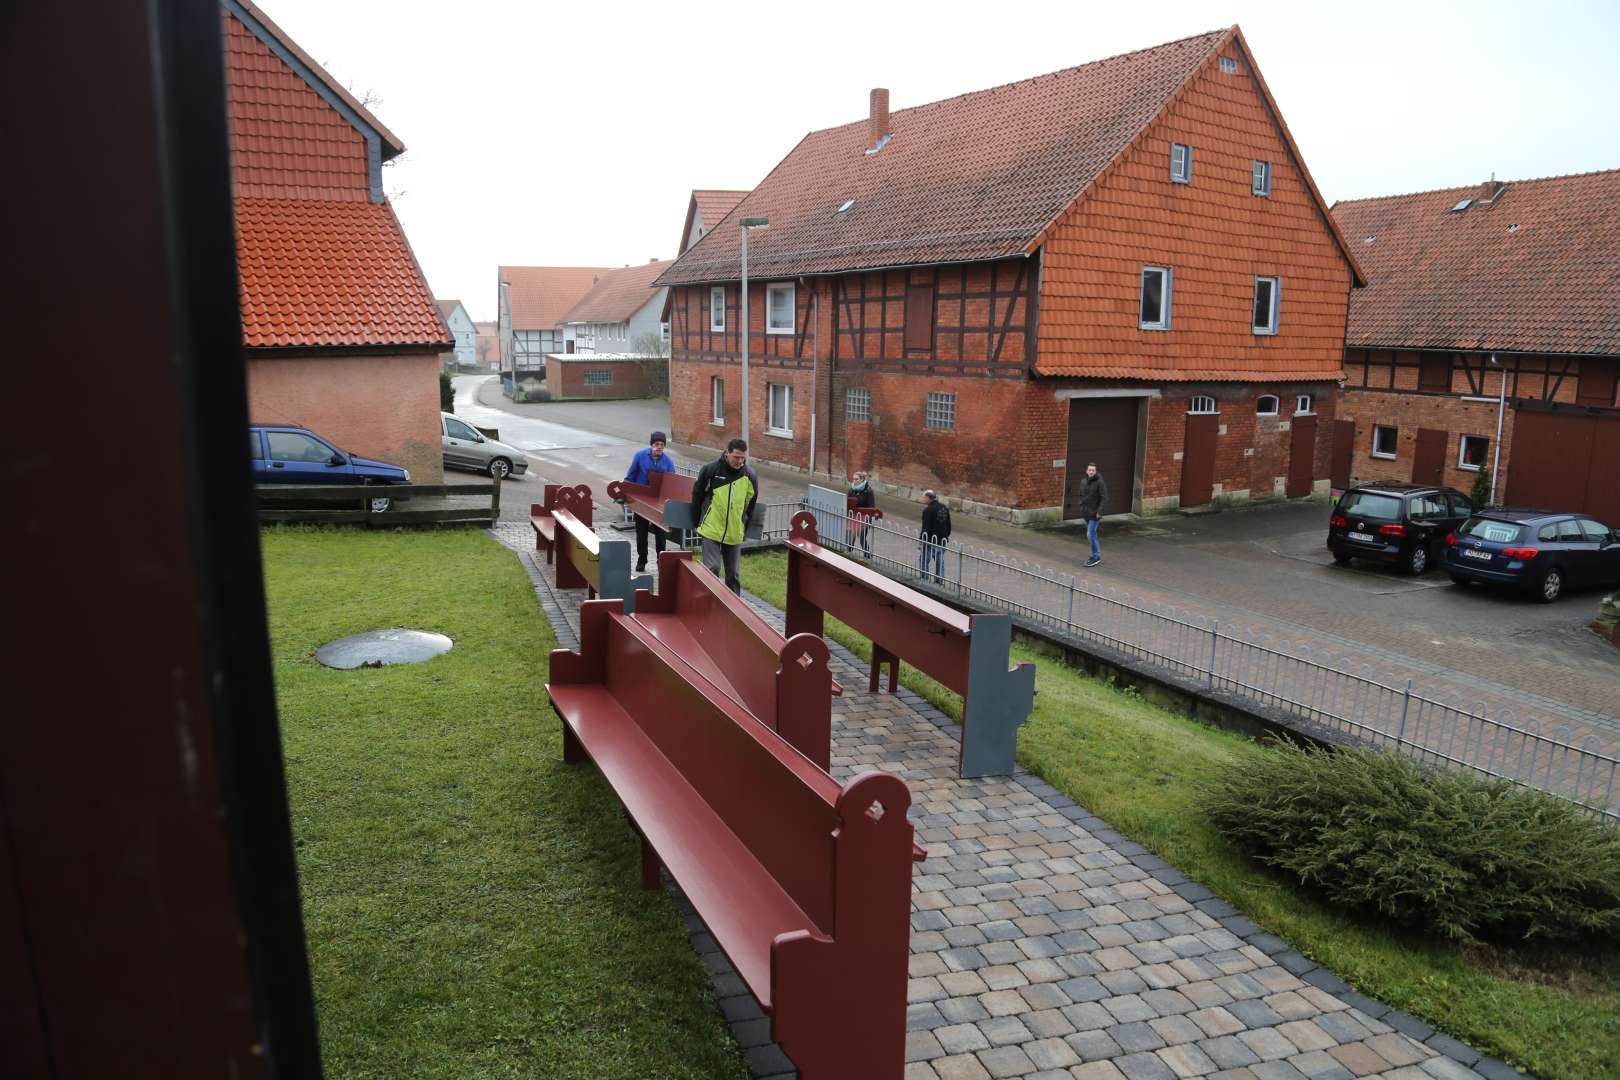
[[742, 905]]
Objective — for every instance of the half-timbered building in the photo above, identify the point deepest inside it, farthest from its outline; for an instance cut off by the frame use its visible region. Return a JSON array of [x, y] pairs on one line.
[[1125, 262], [1487, 341]]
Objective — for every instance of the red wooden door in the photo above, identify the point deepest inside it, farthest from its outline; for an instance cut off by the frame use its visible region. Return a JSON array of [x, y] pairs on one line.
[[1565, 461], [1344, 450], [1429, 459], [1301, 456], [1198, 459]]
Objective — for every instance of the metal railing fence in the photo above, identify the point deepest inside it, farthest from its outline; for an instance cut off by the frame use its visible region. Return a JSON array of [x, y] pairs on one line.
[[1343, 693]]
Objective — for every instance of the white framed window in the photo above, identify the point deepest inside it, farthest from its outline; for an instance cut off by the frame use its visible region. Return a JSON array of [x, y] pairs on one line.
[[598, 376], [1201, 405], [1155, 306], [858, 404], [1305, 405], [1385, 440], [1260, 182], [779, 308], [717, 308], [663, 332], [941, 411], [779, 411], [1181, 163], [1229, 65], [717, 400], [1267, 295], [1472, 452], [1267, 405]]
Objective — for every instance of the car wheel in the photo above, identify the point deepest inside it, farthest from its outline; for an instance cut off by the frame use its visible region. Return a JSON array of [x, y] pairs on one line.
[[1552, 585], [1340, 557], [380, 504], [1417, 560], [500, 468]]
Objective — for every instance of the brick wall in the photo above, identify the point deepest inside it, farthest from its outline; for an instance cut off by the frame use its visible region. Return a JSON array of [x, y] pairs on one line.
[[630, 379], [1407, 412]]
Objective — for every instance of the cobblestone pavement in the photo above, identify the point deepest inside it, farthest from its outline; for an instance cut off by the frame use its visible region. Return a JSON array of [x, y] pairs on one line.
[[1045, 945]]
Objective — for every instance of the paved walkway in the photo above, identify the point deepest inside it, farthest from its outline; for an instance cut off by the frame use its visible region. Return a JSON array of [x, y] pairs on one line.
[[1045, 945]]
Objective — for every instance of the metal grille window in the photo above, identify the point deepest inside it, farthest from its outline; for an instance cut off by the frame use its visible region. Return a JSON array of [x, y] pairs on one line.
[[1202, 405], [1155, 306], [1180, 163], [598, 377], [1266, 297], [941, 411], [858, 404], [1261, 181]]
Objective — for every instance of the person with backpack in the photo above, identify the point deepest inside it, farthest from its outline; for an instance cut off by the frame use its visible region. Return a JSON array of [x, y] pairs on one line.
[[934, 535], [723, 499]]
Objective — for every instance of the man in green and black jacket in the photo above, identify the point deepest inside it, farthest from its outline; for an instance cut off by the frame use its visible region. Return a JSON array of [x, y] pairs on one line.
[[722, 505]]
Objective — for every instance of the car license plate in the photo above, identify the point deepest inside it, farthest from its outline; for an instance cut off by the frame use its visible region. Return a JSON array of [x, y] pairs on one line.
[[1367, 537], [1471, 554]]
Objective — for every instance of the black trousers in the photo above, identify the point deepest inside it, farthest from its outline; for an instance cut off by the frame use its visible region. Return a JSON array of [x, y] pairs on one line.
[[642, 528]]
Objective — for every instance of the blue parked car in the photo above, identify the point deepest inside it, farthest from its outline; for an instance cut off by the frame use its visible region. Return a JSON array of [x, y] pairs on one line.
[[290, 454], [1543, 553]]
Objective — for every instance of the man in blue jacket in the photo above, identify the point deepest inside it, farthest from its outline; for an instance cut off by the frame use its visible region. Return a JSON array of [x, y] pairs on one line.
[[642, 466]]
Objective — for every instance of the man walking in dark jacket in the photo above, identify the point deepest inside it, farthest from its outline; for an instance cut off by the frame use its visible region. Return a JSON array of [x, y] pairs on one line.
[[1093, 497], [935, 533], [723, 499]]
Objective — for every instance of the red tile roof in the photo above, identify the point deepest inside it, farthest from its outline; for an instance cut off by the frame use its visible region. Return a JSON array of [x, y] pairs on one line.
[[709, 205], [974, 177], [541, 295], [1538, 270], [331, 273], [619, 294]]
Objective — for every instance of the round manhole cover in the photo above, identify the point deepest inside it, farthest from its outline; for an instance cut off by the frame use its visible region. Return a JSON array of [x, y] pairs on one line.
[[376, 648]]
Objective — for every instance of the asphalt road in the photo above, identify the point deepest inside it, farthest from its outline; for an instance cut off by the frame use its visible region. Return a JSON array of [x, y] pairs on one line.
[[1264, 565]]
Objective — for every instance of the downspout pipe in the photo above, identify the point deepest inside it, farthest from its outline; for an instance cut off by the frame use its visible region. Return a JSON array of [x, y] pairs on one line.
[[1501, 407]]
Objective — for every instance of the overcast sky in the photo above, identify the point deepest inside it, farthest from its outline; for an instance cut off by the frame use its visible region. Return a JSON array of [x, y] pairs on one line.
[[572, 133]]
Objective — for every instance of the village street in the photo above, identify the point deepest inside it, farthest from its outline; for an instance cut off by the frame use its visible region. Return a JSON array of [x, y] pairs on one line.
[[1263, 567]]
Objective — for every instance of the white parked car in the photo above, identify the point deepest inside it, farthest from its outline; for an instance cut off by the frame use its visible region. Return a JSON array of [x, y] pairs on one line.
[[465, 447]]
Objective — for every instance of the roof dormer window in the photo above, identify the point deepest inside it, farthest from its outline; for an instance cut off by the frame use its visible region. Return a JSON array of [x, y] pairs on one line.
[[845, 207]]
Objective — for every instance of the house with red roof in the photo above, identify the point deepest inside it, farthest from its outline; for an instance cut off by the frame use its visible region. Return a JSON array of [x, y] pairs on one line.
[[707, 208], [1487, 341], [340, 328], [532, 301], [615, 339], [1124, 262]]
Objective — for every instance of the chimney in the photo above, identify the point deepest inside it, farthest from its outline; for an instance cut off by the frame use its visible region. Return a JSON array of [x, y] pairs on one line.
[[1491, 190], [877, 123]]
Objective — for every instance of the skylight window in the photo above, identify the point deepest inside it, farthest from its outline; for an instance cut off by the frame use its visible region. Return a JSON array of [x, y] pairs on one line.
[[1463, 205], [845, 207]]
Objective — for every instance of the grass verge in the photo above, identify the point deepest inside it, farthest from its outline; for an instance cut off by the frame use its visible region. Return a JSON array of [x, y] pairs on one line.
[[471, 904], [1140, 767]]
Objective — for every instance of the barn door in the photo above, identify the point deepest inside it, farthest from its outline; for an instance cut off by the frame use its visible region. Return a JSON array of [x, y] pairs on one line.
[[1429, 459], [1102, 430], [1344, 452], [1302, 456], [1565, 461], [1198, 459]]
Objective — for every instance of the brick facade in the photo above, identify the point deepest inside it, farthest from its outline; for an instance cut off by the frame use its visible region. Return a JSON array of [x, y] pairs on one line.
[[567, 379]]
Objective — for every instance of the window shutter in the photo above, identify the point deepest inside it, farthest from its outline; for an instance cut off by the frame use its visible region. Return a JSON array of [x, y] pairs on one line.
[[1434, 372]]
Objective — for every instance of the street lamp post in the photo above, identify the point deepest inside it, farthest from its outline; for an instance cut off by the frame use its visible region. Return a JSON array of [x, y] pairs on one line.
[[746, 224]]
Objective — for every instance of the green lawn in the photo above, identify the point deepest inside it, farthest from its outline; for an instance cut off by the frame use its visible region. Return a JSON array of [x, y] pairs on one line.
[[1139, 767], [471, 904]]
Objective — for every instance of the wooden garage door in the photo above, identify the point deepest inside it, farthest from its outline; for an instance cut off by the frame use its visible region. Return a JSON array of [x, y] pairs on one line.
[[1301, 456], [1566, 461], [1102, 430], [1344, 451]]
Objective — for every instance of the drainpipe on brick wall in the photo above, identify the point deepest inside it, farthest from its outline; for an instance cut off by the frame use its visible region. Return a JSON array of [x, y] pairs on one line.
[[815, 367], [1501, 404]]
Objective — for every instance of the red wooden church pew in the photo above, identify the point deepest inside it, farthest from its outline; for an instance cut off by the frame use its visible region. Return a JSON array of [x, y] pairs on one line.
[[804, 884], [577, 499]]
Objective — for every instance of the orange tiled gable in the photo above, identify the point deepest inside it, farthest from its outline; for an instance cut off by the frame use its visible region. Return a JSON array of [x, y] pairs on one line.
[[1538, 270], [970, 178], [330, 273], [541, 295], [711, 205], [619, 294]]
